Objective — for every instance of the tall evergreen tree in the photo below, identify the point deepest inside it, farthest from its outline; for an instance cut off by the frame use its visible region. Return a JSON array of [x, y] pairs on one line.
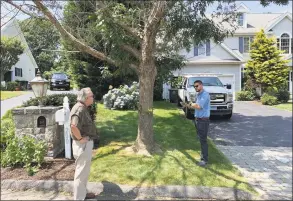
[[266, 67]]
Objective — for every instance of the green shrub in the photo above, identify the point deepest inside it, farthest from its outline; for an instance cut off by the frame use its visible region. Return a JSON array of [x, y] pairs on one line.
[[281, 93], [10, 86], [7, 129], [7, 114], [26, 151], [57, 100], [267, 99], [245, 96]]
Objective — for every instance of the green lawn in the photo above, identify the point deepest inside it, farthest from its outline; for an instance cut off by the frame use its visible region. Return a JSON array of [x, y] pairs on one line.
[[284, 106], [175, 166], [10, 94]]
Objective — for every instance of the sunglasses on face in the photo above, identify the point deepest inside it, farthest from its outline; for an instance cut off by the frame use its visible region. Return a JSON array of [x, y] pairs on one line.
[[196, 86]]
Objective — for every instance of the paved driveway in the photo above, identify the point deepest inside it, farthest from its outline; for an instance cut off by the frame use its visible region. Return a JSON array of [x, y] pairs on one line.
[[254, 125], [258, 141]]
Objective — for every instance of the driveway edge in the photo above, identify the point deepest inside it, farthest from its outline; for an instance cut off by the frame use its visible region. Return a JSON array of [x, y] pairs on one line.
[[108, 188]]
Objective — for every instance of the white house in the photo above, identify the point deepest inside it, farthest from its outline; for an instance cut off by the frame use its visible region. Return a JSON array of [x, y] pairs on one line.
[[25, 68], [229, 57]]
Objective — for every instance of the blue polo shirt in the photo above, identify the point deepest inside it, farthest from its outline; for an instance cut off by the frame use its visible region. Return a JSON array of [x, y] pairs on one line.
[[203, 100]]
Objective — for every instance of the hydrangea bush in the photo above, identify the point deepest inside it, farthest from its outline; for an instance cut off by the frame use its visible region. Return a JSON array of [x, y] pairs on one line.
[[122, 98]]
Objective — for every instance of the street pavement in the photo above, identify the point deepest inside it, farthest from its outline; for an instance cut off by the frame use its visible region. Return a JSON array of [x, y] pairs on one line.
[[258, 141], [17, 101]]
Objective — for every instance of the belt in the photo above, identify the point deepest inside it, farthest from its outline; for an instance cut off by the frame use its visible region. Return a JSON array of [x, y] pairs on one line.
[[203, 118]]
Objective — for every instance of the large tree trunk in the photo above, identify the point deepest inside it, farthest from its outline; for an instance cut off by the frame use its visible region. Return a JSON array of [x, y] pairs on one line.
[[145, 144], [147, 72]]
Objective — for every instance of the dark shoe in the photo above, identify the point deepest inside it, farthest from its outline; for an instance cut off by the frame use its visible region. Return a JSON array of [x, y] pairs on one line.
[[202, 163], [90, 196]]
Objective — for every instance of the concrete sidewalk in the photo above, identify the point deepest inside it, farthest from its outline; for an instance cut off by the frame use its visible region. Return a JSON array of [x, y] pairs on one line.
[[111, 191]]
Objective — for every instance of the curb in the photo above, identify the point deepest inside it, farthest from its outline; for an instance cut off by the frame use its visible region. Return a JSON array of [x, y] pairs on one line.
[[108, 188]]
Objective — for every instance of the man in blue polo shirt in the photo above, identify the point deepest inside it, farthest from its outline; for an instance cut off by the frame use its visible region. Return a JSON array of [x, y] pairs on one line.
[[202, 122]]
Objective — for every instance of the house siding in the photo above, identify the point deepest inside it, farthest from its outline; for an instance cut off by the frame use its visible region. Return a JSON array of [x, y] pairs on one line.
[[26, 60], [285, 26], [216, 53], [216, 68]]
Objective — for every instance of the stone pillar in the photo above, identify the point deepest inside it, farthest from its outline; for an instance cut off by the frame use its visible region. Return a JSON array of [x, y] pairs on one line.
[[40, 123]]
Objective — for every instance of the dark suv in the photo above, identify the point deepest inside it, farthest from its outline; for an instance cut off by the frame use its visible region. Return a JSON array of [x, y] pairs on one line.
[[60, 80]]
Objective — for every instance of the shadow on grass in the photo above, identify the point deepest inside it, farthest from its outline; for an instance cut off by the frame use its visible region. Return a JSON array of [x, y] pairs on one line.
[[173, 133]]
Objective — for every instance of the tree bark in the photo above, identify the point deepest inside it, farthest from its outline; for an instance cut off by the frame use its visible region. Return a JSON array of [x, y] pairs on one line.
[[145, 144]]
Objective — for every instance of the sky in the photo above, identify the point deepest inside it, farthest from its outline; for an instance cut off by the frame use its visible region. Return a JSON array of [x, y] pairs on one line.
[[254, 6]]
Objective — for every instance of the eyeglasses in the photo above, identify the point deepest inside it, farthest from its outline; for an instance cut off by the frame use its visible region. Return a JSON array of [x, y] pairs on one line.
[[195, 86]]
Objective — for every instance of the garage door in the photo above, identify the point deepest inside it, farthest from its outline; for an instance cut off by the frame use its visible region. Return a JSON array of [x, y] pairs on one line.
[[228, 79]]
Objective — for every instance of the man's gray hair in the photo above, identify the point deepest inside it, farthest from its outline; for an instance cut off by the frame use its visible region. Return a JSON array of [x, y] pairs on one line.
[[82, 94]]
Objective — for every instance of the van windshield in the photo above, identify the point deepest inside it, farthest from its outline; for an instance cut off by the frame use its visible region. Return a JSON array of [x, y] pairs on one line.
[[206, 81]]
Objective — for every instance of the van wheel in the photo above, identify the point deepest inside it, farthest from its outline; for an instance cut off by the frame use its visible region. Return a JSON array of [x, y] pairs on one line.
[[228, 116]]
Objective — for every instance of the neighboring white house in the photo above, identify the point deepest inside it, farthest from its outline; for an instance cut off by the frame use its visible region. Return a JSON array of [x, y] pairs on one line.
[[25, 68], [229, 57]]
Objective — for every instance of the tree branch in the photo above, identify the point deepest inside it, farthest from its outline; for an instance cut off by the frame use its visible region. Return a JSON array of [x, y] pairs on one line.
[[156, 15], [21, 9], [128, 29], [132, 51], [64, 33]]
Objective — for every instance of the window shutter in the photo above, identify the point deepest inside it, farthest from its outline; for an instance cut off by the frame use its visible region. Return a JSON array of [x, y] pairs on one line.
[[195, 50], [21, 72], [15, 71], [208, 48], [241, 44]]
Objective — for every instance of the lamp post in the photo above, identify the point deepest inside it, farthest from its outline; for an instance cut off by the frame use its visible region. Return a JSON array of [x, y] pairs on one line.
[[39, 86]]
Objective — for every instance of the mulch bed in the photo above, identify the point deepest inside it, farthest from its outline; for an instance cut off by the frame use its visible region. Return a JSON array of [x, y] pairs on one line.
[[52, 169], [59, 169]]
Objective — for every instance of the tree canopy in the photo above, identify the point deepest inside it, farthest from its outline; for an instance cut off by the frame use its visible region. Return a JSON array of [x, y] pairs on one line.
[[43, 40], [11, 49]]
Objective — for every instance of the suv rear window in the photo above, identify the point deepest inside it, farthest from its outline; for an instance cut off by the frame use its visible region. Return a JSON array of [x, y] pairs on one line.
[[59, 76]]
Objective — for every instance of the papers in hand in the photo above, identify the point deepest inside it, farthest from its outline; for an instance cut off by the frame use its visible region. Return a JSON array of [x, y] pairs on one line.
[[186, 105]]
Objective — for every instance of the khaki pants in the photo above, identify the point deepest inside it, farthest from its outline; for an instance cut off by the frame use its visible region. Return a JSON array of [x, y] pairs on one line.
[[83, 155]]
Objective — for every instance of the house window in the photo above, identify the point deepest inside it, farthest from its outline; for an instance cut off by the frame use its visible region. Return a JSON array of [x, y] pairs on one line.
[[201, 49], [18, 72], [247, 43], [284, 43], [241, 19]]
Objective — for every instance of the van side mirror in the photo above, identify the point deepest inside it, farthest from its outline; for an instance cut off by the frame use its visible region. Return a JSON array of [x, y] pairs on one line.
[[228, 86]]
